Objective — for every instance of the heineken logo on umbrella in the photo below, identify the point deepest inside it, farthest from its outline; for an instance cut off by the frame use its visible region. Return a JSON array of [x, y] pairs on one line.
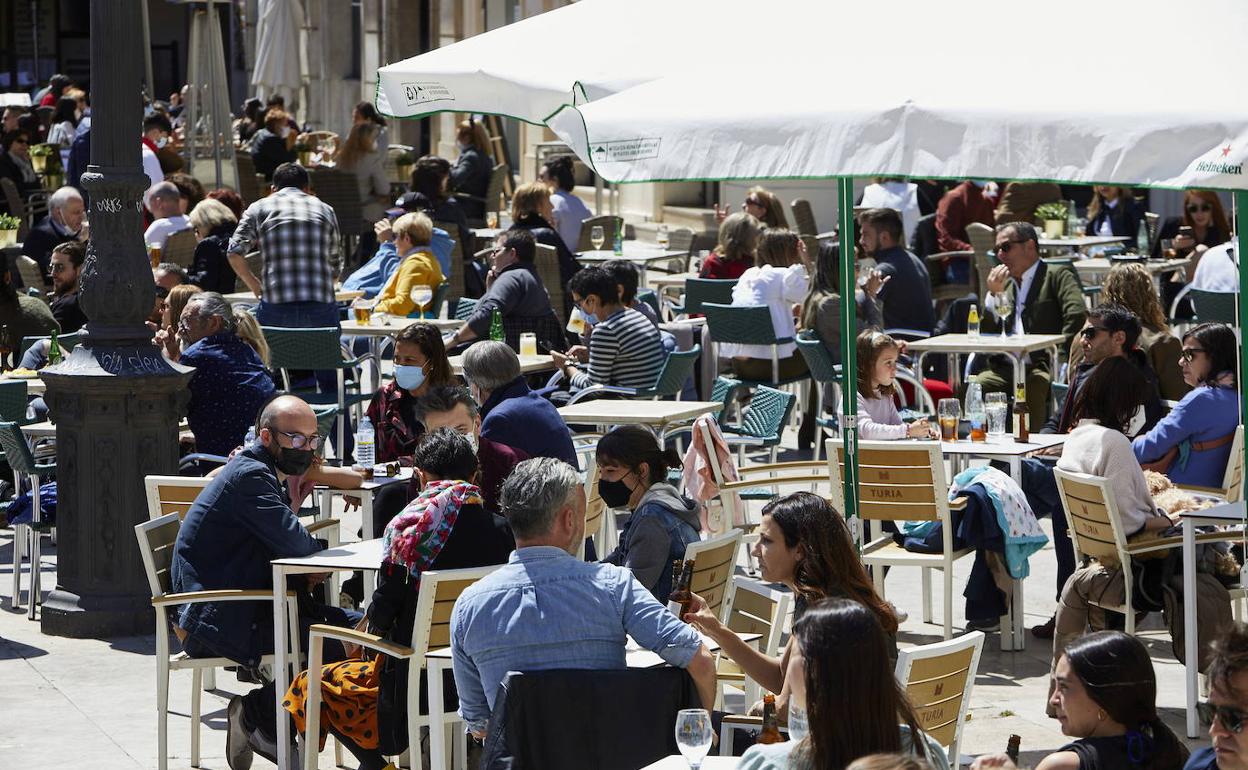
[[426, 92], [1219, 165]]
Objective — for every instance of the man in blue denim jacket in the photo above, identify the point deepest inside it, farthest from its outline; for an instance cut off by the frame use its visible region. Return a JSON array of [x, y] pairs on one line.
[[546, 609]]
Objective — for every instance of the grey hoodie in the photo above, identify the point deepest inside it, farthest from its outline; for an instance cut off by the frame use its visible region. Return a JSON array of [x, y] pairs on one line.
[[646, 544]]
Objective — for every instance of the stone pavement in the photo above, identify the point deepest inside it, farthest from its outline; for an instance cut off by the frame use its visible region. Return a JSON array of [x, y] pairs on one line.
[[92, 703]]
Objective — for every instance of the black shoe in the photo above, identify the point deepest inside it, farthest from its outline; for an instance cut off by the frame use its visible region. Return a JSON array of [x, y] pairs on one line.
[[267, 747], [987, 625], [238, 752], [1045, 629]]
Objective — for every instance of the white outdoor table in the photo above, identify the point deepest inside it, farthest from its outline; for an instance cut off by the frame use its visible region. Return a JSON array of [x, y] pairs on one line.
[[677, 762], [364, 555], [439, 661], [1016, 346], [1082, 242], [667, 280], [1226, 514], [643, 255], [376, 332], [246, 297], [1092, 270], [365, 493], [659, 416], [528, 364], [34, 385]]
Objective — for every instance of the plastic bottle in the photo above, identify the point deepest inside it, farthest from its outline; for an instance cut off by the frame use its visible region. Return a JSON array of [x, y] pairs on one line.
[[1141, 239], [619, 238], [1072, 220], [972, 323], [365, 440], [975, 414]]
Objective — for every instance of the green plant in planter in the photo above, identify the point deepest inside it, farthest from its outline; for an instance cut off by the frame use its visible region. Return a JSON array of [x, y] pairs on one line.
[[42, 150], [1048, 212], [8, 222]]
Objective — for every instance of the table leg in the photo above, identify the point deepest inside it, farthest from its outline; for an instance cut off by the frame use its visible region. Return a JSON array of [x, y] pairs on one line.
[[366, 522], [437, 724], [1189, 623], [281, 667]]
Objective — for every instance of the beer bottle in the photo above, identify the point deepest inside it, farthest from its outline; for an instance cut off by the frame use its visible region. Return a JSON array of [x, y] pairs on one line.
[[1020, 412], [771, 729], [54, 350], [496, 327], [1011, 748], [681, 597]]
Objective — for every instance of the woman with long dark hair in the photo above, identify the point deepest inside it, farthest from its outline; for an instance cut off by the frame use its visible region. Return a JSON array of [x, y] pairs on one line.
[[1106, 698], [845, 702], [804, 543]]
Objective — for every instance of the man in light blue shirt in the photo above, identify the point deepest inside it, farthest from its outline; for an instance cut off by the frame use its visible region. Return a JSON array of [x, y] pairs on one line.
[[547, 609]]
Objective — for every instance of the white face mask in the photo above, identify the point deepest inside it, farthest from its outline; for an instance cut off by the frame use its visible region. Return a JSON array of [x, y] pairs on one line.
[[1136, 426], [161, 142], [472, 440]]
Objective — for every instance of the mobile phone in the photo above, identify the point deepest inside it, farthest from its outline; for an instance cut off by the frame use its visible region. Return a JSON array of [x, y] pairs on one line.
[[1185, 231]]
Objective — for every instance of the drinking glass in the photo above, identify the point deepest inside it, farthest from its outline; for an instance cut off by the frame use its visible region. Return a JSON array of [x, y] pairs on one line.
[[662, 237], [693, 735], [422, 295], [528, 344], [1004, 306], [363, 310], [597, 236], [995, 406], [948, 411], [491, 220], [576, 321]]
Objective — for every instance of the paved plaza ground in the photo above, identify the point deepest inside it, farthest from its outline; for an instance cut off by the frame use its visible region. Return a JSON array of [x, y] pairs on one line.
[[92, 703]]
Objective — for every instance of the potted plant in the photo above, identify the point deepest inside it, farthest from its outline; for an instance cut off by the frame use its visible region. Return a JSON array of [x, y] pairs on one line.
[[1054, 217], [8, 230], [39, 155], [304, 150], [405, 161]]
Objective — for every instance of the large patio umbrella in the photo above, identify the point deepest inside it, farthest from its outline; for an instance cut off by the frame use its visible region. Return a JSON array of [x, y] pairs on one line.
[[281, 58], [654, 90]]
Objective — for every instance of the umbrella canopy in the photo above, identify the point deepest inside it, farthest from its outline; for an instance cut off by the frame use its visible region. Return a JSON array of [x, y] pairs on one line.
[[281, 57], [794, 89]]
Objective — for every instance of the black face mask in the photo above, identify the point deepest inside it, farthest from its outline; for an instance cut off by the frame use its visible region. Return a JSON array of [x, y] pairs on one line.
[[615, 494], [293, 462]]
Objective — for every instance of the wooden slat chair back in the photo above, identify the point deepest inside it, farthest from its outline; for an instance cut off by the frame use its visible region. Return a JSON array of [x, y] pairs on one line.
[[180, 248], [31, 275], [172, 494], [456, 276], [901, 483], [608, 224], [1233, 481], [251, 185], [755, 609], [983, 239], [803, 217], [714, 562], [547, 262], [938, 679]]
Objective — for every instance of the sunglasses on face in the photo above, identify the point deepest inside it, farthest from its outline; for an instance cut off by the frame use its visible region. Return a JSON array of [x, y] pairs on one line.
[[1090, 332], [57, 268], [1199, 208], [1189, 354], [1229, 718], [300, 441], [754, 202], [1005, 246]]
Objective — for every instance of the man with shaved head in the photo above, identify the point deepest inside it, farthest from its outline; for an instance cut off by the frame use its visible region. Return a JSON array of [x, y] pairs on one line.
[[235, 528]]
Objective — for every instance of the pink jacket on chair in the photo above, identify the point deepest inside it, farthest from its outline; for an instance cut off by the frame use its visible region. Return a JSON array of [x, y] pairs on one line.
[[698, 476]]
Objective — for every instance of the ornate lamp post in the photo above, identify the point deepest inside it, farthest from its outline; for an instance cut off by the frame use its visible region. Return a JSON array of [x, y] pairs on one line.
[[116, 399]]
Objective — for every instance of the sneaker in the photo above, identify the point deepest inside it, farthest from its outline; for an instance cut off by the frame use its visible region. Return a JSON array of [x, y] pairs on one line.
[[987, 625], [267, 747], [238, 752], [1045, 629]]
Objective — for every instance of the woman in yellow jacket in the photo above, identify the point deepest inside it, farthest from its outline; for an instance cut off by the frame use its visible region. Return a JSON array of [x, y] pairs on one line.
[[413, 234]]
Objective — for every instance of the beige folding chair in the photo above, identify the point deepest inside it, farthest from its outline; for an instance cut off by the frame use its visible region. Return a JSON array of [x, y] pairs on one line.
[[1232, 489], [456, 276], [938, 679], [714, 562], [547, 263], [172, 494], [901, 482], [31, 275], [156, 541], [431, 631], [803, 217], [983, 239], [608, 224], [180, 248], [754, 609]]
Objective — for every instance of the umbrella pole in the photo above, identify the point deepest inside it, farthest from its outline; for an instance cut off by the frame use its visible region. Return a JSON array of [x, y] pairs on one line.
[[849, 364], [1241, 249]]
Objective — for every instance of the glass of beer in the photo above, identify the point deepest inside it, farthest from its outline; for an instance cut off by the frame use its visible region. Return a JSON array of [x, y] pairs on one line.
[[528, 344], [948, 411], [362, 309], [576, 321]]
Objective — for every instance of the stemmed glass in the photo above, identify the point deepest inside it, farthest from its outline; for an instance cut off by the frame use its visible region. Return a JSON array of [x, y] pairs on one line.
[[422, 295], [598, 237], [1004, 306], [693, 735]]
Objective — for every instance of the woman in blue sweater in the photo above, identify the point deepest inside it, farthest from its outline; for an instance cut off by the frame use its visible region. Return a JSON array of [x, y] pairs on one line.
[[1192, 444]]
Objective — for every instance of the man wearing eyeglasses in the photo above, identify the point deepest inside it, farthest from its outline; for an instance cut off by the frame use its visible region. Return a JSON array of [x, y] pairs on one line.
[[1043, 299], [1227, 708], [235, 528]]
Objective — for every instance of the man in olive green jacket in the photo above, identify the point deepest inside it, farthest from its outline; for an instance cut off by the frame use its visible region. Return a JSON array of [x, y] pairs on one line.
[[1050, 298]]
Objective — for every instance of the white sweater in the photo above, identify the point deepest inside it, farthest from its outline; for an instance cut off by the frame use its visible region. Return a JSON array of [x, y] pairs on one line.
[[1094, 449]]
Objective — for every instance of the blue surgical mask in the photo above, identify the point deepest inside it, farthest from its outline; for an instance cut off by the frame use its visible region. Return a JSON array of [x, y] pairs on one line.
[[591, 318], [409, 377]]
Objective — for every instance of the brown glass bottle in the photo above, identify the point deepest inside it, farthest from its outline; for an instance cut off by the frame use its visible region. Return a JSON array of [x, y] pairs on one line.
[[771, 728], [1011, 748], [1020, 413], [680, 599]]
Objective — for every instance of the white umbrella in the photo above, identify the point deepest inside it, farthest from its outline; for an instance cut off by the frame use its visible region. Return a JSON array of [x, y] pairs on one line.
[[281, 58]]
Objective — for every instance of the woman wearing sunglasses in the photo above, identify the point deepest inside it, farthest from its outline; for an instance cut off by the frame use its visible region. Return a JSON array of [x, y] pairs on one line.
[[1192, 444], [1105, 698], [1202, 226]]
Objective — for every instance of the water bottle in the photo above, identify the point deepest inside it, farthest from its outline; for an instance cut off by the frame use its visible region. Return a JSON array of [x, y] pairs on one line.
[[365, 440], [618, 246], [1072, 221], [1141, 239], [972, 323], [975, 413]]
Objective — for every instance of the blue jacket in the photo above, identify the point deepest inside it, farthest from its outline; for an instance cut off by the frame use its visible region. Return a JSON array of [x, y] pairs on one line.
[[371, 276], [1204, 414], [1202, 759], [518, 417], [657, 533], [238, 524], [228, 388]]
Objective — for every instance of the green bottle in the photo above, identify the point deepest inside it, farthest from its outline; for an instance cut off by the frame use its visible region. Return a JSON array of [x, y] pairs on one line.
[[619, 237], [54, 350], [496, 327]]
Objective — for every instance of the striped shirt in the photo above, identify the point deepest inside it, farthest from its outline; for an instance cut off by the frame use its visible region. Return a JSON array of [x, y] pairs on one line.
[[297, 235], [624, 350]]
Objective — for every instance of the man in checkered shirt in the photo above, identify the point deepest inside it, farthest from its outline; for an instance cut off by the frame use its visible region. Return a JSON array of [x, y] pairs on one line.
[[297, 235]]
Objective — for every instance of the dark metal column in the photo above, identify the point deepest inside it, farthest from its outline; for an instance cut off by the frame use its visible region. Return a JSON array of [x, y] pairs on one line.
[[116, 399]]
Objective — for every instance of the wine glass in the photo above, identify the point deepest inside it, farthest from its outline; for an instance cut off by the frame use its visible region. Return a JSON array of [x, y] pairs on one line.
[[422, 295], [662, 237], [693, 735], [598, 237], [1004, 306]]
